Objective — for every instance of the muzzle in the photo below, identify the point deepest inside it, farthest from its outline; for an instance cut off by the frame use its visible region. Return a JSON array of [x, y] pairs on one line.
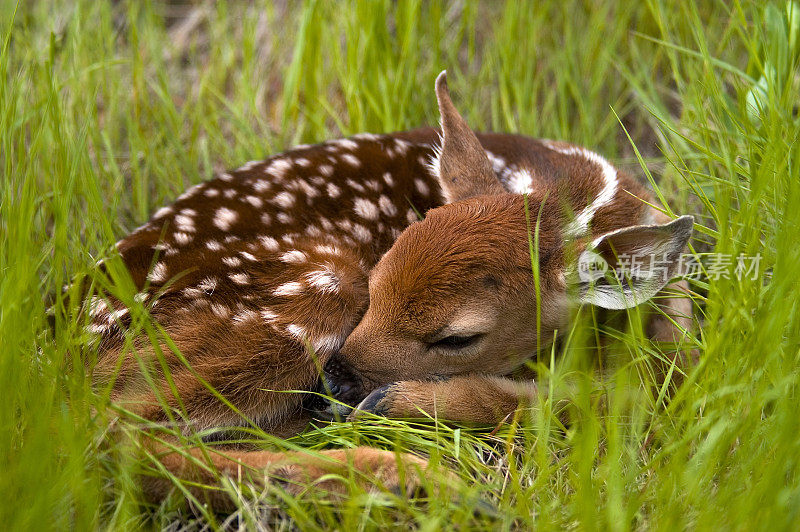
[[345, 386]]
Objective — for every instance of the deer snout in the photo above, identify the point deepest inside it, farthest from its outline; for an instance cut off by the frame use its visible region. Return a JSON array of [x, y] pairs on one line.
[[344, 384]]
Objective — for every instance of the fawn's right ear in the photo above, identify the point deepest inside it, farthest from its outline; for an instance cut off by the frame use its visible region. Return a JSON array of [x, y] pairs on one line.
[[626, 267], [462, 167]]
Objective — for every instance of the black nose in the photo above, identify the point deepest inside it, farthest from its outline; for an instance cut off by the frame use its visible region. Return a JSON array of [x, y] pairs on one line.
[[337, 370], [338, 388], [341, 381]]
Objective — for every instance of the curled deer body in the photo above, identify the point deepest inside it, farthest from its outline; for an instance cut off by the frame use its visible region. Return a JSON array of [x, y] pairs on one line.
[[316, 258]]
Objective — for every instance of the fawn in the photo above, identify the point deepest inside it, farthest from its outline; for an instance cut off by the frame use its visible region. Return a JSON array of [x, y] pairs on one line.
[[316, 258]]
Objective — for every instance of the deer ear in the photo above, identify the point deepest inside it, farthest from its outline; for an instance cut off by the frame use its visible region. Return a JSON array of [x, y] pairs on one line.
[[625, 268], [461, 166]]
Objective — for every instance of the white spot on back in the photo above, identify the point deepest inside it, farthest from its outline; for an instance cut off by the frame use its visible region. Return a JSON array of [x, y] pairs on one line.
[[278, 167], [239, 278], [284, 199], [213, 245], [159, 273], [296, 330], [232, 261], [97, 328], [328, 343], [117, 314], [185, 223], [351, 159], [325, 280], [190, 192], [498, 163], [261, 185], [355, 186], [366, 136], [401, 146], [192, 292], [269, 243], [347, 144], [326, 170], [224, 218], [292, 288], [387, 207], [163, 211], [520, 181], [301, 184], [293, 257], [208, 285], [333, 190], [97, 306], [182, 238], [326, 248], [220, 311], [365, 209], [245, 315], [255, 201], [361, 233]]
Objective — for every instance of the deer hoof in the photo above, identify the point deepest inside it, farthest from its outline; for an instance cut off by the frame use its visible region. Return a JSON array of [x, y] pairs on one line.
[[378, 403]]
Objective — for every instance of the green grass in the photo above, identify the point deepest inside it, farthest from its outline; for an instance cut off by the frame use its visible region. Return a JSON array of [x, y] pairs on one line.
[[108, 110]]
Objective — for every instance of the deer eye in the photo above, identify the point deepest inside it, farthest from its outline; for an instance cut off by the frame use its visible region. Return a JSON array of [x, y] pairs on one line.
[[456, 342]]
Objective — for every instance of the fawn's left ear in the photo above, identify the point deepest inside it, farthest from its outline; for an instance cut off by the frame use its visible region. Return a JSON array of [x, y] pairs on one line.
[[462, 167], [626, 267]]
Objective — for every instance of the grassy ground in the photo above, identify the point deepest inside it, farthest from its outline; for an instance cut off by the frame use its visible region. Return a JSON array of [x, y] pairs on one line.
[[110, 109]]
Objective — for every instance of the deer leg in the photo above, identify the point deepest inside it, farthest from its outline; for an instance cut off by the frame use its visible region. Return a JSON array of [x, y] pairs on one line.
[[477, 399], [328, 470]]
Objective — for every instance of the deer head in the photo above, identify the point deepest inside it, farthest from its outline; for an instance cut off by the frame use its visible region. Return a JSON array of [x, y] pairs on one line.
[[455, 294]]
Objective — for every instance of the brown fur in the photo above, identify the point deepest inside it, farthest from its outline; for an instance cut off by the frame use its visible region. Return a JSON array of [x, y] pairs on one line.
[[327, 470]]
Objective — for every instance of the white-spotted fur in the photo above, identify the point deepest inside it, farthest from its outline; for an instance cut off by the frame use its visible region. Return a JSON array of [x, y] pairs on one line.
[[580, 225]]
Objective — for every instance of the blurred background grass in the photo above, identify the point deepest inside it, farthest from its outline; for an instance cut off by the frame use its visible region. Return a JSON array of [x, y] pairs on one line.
[[110, 109]]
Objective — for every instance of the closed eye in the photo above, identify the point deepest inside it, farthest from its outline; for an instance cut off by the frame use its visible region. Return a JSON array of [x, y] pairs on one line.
[[456, 342]]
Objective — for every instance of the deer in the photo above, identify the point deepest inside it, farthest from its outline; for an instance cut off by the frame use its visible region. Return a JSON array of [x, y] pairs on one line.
[[391, 273]]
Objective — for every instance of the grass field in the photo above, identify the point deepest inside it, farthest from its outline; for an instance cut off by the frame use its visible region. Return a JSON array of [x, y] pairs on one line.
[[110, 109]]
